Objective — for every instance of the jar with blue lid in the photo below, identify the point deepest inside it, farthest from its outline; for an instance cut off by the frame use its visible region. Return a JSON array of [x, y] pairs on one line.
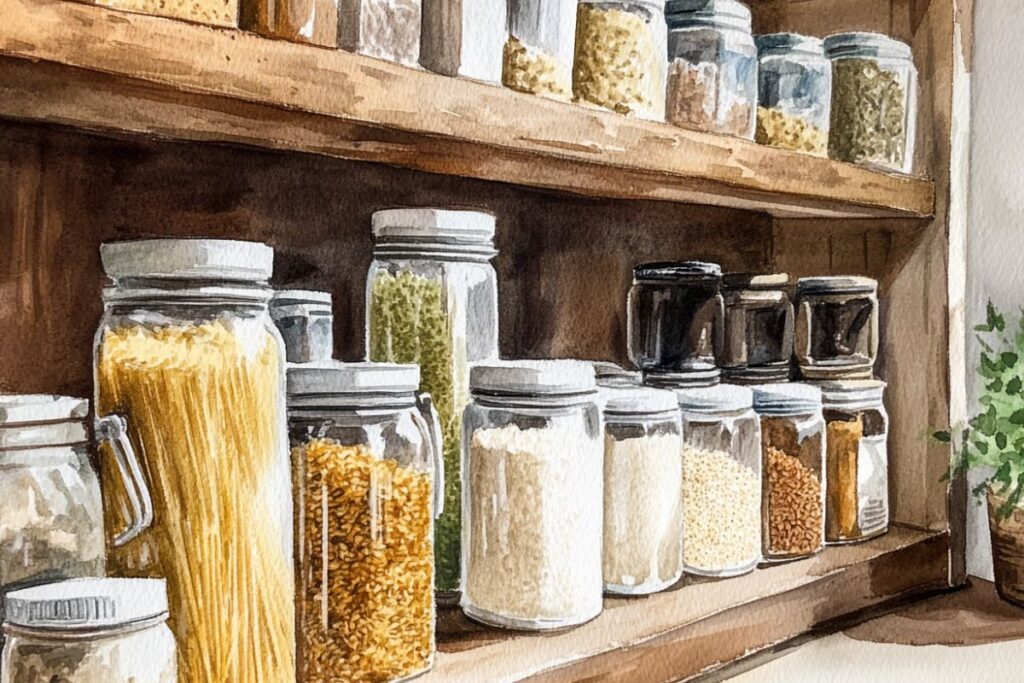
[[794, 93]]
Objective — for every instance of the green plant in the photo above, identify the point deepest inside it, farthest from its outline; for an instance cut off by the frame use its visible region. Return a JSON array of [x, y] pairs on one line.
[[994, 437]]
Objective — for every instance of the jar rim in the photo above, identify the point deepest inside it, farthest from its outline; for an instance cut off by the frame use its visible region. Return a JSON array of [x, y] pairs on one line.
[[836, 284], [186, 292], [529, 378], [865, 44], [188, 259], [677, 272], [434, 226], [27, 410], [322, 381], [637, 400], [755, 281], [854, 393], [87, 604], [729, 14], [726, 398], [773, 44], [790, 398]]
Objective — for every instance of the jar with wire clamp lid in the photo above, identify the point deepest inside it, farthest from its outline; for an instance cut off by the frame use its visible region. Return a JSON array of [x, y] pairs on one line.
[[758, 344]]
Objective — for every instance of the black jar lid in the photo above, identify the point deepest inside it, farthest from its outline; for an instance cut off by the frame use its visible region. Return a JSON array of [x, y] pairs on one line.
[[678, 272], [756, 281], [837, 284]]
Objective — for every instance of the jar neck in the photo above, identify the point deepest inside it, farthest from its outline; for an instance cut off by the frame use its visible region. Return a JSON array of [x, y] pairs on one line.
[[152, 291], [80, 634], [492, 400], [435, 251]]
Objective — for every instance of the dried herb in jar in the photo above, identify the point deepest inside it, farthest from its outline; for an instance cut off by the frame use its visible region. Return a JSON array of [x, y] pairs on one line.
[[535, 71], [869, 114], [775, 128]]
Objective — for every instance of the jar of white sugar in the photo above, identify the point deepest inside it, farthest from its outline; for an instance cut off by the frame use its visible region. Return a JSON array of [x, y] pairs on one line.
[[643, 474], [721, 481], [533, 465]]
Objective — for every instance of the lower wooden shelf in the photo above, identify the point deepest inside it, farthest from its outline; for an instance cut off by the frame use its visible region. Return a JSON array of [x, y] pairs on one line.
[[699, 625]]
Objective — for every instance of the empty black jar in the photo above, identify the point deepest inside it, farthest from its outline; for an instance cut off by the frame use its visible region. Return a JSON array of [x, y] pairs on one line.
[[675, 322], [758, 344]]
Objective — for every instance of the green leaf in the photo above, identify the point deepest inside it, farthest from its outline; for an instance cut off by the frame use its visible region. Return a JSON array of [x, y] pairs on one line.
[[1013, 386], [1018, 417], [994, 318], [981, 447], [942, 437], [995, 386], [1008, 358], [1001, 441]]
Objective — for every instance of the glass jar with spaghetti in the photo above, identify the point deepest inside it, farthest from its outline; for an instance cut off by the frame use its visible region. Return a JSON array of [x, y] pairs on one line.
[[365, 458]]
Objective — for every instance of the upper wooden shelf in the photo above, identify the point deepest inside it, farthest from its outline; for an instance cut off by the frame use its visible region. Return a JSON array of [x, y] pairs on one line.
[[105, 70]]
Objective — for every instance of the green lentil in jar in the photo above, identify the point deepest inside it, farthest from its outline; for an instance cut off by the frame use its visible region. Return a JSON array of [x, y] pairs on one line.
[[869, 114]]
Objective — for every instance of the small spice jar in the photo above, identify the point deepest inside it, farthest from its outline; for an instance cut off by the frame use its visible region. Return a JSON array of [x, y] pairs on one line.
[[305, 320], [758, 342], [793, 447], [299, 21], [721, 489], [611, 375], [464, 38], [89, 631], [836, 334], [856, 460], [794, 93], [385, 29], [365, 459], [874, 100], [643, 550], [533, 441], [675, 321], [712, 72], [539, 49], [620, 56]]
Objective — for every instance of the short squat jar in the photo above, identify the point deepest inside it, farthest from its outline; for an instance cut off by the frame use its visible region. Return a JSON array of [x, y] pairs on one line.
[[642, 479], [836, 327], [89, 631], [721, 489], [793, 448], [856, 460], [712, 72], [675, 322], [305, 320], [874, 101], [794, 93], [533, 475], [758, 344]]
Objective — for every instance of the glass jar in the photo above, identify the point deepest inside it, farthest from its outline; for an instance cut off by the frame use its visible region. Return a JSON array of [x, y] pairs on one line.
[[187, 356], [539, 49], [712, 67], [432, 299], [610, 374], [385, 29], [721, 490], [675, 321], [643, 474], [874, 101], [856, 460], [793, 495], [89, 631], [365, 459], [306, 322], [836, 333], [794, 93], [620, 56], [300, 21], [533, 473], [464, 38], [758, 344]]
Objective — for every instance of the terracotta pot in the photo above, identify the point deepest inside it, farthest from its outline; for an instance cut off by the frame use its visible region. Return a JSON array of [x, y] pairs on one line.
[[1007, 551]]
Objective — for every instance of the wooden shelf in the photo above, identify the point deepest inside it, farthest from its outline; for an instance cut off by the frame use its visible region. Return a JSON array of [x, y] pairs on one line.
[[104, 70], [693, 628]]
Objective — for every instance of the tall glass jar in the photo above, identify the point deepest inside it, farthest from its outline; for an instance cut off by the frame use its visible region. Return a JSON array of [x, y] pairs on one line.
[[305, 320], [721, 481], [836, 334], [856, 460], [793, 446], [712, 72], [794, 93], [365, 458], [432, 299], [620, 56], [874, 101], [533, 461], [758, 344], [187, 356], [539, 49], [643, 473], [385, 29]]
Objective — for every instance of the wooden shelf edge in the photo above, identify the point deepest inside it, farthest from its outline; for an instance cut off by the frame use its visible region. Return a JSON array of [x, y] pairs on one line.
[[128, 73], [699, 627]]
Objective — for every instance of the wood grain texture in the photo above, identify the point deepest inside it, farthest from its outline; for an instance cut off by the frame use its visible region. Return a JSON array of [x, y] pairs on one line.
[[364, 108]]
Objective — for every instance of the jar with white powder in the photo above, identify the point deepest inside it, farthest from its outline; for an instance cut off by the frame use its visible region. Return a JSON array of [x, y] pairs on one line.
[[532, 495], [643, 474], [721, 481]]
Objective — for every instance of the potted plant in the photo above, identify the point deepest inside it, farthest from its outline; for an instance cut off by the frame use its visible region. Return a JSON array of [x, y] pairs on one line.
[[994, 439]]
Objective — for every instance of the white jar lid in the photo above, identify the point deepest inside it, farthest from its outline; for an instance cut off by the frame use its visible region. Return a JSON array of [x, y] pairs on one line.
[[622, 400], [853, 393], [724, 398], [334, 378], [32, 409], [544, 377], [865, 44], [836, 284], [786, 398], [87, 604], [428, 225], [772, 44], [721, 13], [188, 259]]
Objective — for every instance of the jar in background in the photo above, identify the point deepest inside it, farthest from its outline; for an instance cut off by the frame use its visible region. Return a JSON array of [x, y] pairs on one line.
[[712, 67], [612, 375], [299, 21], [533, 440], [675, 322], [365, 459], [464, 38], [385, 29], [836, 333], [539, 49], [874, 100], [188, 358], [89, 631], [620, 56], [856, 460], [432, 300], [643, 474], [758, 345], [721, 490], [794, 93], [305, 320], [793, 446]]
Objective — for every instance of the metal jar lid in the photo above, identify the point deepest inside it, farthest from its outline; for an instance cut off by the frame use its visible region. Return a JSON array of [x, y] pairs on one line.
[[622, 400], [781, 44], [786, 399], [533, 378], [715, 13], [853, 394], [866, 44], [681, 272], [188, 259], [42, 420], [425, 225], [837, 284], [755, 281], [332, 382], [87, 604], [723, 398], [287, 302]]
